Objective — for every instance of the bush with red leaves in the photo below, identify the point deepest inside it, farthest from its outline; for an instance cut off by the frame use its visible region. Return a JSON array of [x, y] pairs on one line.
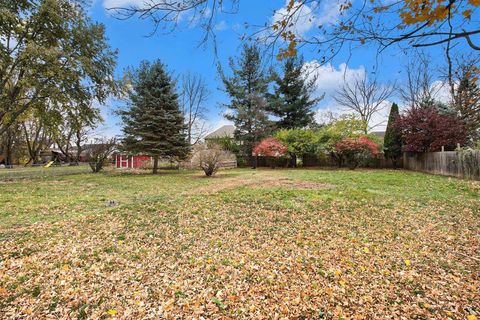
[[270, 148], [355, 151], [427, 130]]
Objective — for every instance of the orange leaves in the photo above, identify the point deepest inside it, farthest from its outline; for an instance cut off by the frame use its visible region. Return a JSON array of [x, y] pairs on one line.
[[291, 50], [345, 6], [413, 12], [3, 292], [290, 5], [237, 257], [431, 11], [467, 14]]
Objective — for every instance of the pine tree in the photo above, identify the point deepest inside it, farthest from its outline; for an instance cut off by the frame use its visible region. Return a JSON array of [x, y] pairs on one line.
[[467, 106], [247, 88], [292, 102], [153, 123], [392, 143]]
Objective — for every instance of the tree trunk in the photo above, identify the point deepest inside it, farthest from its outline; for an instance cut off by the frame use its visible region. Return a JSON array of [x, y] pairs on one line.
[[254, 161], [294, 160], [9, 149], [79, 146], [155, 165]]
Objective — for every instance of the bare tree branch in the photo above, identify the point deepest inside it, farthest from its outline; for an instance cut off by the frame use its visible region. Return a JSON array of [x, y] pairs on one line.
[[195, 94], [364, 98]]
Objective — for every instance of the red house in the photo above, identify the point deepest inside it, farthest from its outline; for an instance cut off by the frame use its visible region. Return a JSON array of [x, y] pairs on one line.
[[124, 161]]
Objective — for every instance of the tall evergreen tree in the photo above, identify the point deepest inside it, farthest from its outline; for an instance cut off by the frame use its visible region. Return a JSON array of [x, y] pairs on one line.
[[153, 123], [292, 102], [392, 145], [467, 105], [247, 88]]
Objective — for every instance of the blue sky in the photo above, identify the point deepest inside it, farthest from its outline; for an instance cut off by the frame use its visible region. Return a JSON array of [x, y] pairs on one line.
[[180, 51]]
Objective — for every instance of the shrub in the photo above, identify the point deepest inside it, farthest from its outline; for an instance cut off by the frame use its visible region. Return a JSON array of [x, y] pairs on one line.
[[356, 150], [99, 152], [210, 159], [299, 142], [270, 148], [347, 126], [427, 130]]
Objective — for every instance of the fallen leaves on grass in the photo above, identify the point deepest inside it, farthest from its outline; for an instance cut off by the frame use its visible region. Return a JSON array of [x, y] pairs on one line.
[[244, 254]]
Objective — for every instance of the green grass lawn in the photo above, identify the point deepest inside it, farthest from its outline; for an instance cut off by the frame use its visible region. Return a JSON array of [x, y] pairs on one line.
[[264, 244]]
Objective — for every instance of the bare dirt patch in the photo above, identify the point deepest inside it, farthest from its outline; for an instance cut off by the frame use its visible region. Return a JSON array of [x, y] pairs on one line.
[[261, 180], [293, 184]]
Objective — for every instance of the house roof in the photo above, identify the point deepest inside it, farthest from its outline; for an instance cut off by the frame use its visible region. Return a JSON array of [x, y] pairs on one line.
[[380, 134], [225, 131]]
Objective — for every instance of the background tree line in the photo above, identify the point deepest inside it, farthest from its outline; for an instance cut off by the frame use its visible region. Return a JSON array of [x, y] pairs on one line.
[[264, 102], [54, 63]]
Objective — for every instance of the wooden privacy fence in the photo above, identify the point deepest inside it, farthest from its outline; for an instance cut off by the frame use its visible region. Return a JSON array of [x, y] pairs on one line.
[[462, 164], [316, 160]]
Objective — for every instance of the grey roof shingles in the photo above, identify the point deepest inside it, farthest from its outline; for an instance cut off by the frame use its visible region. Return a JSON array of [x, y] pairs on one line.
[[222, 132]]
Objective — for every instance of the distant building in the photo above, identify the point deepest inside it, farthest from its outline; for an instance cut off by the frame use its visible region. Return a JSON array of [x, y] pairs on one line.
[[226, 131], [126, 161], [380, 134]]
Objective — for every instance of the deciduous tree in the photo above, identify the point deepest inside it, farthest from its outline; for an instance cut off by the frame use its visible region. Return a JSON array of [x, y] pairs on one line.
[[425, 130], [51, 54], [409, 24], [365, 98], [299, 142], [195, 94]]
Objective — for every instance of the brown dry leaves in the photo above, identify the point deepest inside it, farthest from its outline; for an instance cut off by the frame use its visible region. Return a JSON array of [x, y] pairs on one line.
[[244, 253]]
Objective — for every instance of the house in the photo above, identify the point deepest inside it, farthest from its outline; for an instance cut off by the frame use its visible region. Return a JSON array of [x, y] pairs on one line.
[[125, 161], [379, 134], [226, 131]]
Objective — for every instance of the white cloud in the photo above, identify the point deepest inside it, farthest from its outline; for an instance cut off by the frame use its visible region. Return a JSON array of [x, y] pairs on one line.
[[441, 91], [310, 16], [329, 78], [122, 3], [222, 25], [377, 123]]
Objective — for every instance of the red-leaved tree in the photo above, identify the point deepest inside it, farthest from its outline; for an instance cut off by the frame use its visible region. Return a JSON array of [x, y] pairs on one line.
[[427, 130], [355, 151], [272, 148]]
